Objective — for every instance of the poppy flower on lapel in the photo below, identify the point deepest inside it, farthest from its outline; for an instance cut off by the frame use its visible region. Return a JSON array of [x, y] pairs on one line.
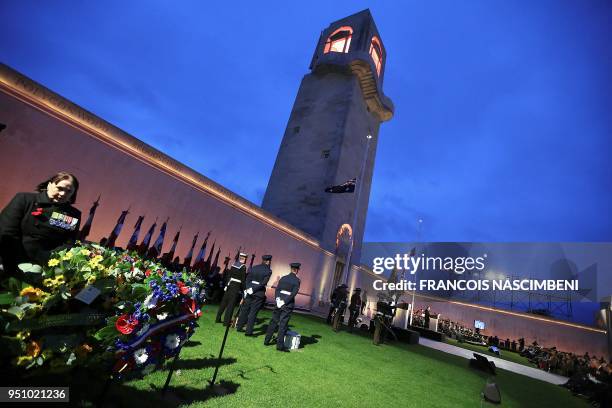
[[37, 212]]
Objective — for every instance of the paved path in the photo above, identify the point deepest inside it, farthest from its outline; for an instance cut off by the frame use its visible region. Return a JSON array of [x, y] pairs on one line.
[[499, 363]]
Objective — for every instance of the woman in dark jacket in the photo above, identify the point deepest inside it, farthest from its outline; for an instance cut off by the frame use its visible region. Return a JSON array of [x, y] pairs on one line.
[[32, 225]]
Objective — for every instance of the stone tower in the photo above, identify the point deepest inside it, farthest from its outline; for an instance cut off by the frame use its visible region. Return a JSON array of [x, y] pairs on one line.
[[339, 103]]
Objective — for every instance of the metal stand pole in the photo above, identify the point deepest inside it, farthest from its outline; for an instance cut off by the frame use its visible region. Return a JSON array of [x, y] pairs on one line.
[[214, 378], [102, 396], [170, 373]]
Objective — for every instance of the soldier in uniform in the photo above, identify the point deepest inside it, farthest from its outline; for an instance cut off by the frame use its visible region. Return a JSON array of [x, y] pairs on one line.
[[338, 296], [286, 290], [233, 289], [355, 308], [254, 294], [34, 224]]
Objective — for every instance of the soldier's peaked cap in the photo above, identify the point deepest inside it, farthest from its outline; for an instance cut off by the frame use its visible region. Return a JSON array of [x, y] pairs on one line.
[[266, 257], [243, 254], [295, 265]]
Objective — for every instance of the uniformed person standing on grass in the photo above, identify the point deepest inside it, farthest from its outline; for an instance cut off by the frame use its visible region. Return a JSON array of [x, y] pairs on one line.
[[355, 308], [338, 296], [286, 290], [254, 294], [233, 289]]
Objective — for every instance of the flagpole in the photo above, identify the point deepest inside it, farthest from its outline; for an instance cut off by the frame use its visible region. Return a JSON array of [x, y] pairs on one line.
[[353, 225], [415, 272]]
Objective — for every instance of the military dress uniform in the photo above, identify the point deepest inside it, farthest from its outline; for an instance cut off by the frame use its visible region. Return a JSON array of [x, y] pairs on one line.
[[355, 308], [255, 292], [286, 290], [31, 227], [338, 297], [233, 291]]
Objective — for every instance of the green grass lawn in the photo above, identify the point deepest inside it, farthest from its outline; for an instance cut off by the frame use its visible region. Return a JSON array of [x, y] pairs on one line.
[[332, 369], [505, 354]]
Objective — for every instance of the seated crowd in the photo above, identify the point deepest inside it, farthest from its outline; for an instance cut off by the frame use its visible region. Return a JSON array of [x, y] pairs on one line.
[[455, 330], [451, 329]]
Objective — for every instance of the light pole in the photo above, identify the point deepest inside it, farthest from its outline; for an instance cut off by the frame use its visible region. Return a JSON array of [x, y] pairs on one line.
[[347, 266]]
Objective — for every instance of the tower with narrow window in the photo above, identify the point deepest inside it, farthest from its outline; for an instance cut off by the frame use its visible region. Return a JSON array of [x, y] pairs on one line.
[[339, 104]]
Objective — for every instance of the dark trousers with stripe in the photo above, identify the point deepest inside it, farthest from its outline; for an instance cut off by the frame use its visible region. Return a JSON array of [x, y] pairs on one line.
[[280, 320], [227, 305], [248, 312]]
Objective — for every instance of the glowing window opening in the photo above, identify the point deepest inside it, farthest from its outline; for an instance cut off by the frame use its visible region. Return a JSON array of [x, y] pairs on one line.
[[339, 41], [345, 229], [376, 54]]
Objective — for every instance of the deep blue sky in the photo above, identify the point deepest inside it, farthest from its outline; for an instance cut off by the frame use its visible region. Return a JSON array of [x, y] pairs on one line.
[[502, 132]]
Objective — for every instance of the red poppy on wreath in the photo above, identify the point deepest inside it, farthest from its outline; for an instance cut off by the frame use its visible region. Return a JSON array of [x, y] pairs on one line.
[[148, 273], [182, 288], [125, 324], [37, 212], [190, 306]]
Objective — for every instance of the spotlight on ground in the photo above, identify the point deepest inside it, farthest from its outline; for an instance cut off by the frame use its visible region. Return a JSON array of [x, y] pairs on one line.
[[480, 362], [491, 393]]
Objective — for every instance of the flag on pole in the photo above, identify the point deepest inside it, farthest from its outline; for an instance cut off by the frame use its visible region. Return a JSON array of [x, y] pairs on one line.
[[110, 243], [87, 227], [155, 250], [201, 253], [133, 242], [206, 267], [216, 261], [187, 260], [346, 187], [410, 255], [168, 257], [393, 277], [144, 245]]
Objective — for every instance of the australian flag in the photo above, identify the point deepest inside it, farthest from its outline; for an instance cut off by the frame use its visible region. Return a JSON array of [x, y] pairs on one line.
[[346, 187]]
